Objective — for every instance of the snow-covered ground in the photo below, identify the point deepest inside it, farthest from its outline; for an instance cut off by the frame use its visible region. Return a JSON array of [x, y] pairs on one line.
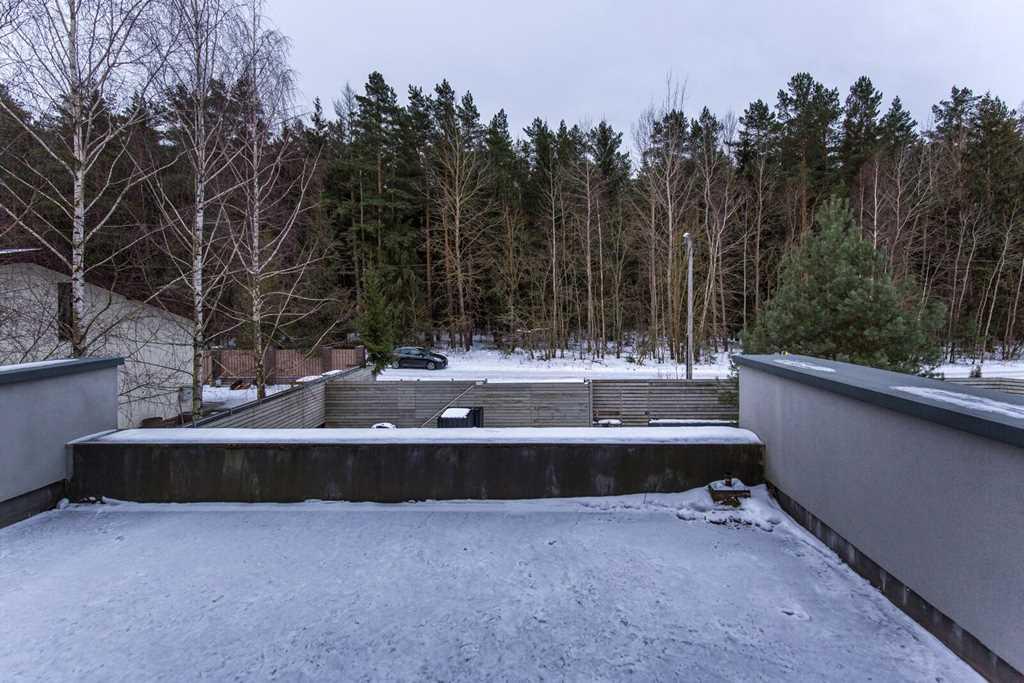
[[495, 366], [990, 368], [662, 587], [225, 397]]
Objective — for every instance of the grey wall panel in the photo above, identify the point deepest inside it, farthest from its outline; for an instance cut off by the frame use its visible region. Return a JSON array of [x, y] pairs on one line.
[[940, 509], [42, 410]]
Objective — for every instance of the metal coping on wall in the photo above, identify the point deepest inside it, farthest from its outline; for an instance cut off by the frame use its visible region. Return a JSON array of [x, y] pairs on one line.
[[878, 387], [56, 368]]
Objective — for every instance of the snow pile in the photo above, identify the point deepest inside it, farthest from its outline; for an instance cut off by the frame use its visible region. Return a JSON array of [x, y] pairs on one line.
[[732, 484], [969, 401], [455, 413], [758, 511], [225, 397]]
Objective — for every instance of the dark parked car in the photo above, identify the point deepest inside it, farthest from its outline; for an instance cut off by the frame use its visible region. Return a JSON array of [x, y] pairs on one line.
[[417, 357]]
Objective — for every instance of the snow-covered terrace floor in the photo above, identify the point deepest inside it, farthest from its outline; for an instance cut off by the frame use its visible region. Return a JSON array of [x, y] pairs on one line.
[[585, 589]]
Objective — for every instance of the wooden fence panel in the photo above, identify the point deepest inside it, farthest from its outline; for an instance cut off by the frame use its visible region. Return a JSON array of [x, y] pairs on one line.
[[282, 365], [636, 402], [415, 404], [1009, 385], [347, 402], [291, 365], [340, 359]]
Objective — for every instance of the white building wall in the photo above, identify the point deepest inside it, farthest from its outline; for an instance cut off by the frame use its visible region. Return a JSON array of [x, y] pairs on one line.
[[156, 344]]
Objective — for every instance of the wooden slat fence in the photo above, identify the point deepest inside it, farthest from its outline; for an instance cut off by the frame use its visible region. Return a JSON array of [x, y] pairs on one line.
[[301, 407], [636, 402], [532, 404], [352, 399], [1009, 385], [283, 365], [415, 404]]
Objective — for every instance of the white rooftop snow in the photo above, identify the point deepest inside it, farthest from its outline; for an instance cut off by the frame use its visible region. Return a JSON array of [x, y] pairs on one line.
[[517, 435], [683, 422], [455, 413], [803, 365], [38, 364], [963, 400], [671, 588]]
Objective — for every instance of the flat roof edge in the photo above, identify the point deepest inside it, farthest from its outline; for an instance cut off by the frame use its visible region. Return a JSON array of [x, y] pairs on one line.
[[949, 415], [74, 366]]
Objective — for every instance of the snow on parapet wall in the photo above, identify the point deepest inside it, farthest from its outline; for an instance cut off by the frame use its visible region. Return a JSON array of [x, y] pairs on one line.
[[984, 412], [38, 364], [959, 398], [496, 435]]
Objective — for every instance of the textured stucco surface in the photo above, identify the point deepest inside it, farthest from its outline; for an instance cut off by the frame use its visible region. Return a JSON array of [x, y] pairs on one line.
[[37, 419], [940, 509]]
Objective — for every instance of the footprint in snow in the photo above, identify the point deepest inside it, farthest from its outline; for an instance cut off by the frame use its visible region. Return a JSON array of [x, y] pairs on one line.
[[797, 614]]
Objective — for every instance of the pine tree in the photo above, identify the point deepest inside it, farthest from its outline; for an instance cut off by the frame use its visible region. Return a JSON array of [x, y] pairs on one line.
[[834, 300], [758, 137], [897, 128], [808, 114], [376, 322], [860, 128]]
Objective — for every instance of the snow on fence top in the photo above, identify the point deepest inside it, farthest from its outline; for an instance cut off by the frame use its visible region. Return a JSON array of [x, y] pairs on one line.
[[497, 435], [991, 414]]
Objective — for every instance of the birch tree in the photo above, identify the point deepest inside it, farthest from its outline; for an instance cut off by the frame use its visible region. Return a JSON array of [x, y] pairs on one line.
[[88, 65], [10, 14], [463, 205], [271, 197]]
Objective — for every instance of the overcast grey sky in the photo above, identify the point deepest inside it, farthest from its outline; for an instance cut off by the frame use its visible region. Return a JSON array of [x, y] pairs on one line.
[[585, 60]]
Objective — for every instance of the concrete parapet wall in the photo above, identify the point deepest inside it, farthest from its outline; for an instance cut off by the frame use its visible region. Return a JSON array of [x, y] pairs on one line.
[[395, 472]]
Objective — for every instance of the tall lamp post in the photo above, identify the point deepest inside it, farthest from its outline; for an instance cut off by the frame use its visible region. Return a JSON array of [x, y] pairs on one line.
[[688, 240]]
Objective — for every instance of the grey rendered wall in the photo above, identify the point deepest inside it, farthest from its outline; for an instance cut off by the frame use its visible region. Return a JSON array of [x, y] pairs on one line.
[[940, 509], [39, 416]]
